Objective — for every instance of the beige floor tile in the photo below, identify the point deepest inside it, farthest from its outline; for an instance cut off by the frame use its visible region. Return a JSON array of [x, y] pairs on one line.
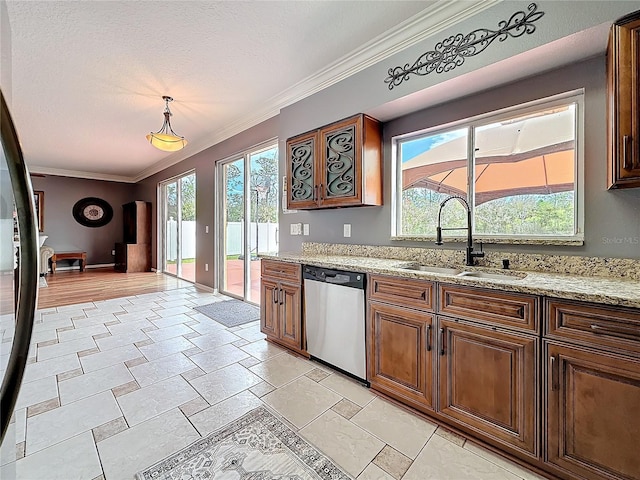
[[404, 431], [165, 367], [155, 399], [442, 460], [262, 350], [94, 382], [121, 340], [169, 332], [73, 458], [214, 340], [351, 447], [42, 407], [62, 349], [262, 389], [110, 357], [70, 420], [348, 388], [165, 348], [373, 472], [281, 369], [451, 436], [393, 462], [128, 452], [224, 383], [502, 462], [37, 391], [346, 408], [109, 429], [82, 332], [219, 357], [301, 401], [220, 414], [194, 406], [317, 374], [125, 388]]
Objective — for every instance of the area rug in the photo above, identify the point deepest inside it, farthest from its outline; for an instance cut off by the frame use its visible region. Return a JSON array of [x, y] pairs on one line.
[[42, 283], [257, 446], [230, 313]]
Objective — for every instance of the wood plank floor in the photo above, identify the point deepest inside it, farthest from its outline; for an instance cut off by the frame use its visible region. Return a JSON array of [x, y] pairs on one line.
[[70, 287]]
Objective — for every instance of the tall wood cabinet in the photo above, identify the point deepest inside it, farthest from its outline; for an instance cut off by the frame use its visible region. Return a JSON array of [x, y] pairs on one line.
[[623, 103], [134, 253], [281, 303], [338, 165]]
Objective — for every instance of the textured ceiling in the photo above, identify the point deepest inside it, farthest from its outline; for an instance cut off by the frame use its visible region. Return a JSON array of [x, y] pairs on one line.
[[88, 76]]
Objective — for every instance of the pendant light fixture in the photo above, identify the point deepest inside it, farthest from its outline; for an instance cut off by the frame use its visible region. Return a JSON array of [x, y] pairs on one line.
[[166, 139]]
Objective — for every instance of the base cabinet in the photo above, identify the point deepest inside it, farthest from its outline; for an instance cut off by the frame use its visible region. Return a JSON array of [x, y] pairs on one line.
[[593, 413], [488, 380], [281, 304], [401, 352]]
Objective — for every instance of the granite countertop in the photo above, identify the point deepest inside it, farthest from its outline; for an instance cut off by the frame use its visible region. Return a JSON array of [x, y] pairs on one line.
[[605, 290]]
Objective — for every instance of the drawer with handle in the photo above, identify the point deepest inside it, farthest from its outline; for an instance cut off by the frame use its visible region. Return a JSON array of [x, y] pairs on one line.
[[288, 272], [600, 325], [508, 309], [406, 292]]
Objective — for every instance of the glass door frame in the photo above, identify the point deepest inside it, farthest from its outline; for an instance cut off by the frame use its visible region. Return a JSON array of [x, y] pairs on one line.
[[162, 223], [220, 238]]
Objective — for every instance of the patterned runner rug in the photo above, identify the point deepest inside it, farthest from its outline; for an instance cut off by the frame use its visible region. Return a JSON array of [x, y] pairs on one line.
[[230, 313], [257, 446]]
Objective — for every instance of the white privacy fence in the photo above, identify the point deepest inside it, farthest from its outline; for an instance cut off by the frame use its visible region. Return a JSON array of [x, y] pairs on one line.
[[266, 237]]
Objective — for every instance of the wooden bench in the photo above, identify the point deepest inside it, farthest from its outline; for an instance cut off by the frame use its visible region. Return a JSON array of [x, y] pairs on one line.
[[81, 256]]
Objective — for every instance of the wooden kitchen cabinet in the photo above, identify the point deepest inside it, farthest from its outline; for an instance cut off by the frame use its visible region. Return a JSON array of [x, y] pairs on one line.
[[592, 389], [592, 404], [401, 353], [623, 103], [488, 382], [400, 342], [338, 165], [281, 303]]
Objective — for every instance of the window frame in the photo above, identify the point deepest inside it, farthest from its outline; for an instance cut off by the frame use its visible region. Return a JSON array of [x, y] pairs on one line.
[[575, 97]]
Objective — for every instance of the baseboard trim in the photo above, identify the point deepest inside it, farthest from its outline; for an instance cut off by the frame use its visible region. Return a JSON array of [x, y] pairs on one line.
[[75, 267], [206, 288]]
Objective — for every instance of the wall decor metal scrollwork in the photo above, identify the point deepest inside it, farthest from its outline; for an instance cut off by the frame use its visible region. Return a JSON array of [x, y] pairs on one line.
[[452, 51]]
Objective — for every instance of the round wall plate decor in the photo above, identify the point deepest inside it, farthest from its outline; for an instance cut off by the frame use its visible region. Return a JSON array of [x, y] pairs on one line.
[[92, 212]]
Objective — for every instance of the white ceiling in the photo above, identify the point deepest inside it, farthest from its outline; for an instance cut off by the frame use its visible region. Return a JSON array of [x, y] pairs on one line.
[[88, 76]]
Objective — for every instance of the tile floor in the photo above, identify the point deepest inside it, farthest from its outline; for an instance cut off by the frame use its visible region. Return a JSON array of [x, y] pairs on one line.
[[115, 386]]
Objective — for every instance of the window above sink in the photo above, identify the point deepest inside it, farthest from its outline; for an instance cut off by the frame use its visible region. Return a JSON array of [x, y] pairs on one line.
[[526, 163]]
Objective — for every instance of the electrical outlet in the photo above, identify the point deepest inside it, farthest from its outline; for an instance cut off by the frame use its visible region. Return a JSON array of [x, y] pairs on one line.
[[296, 229], [206, 267], [305, 229], [206, 229], [113, 252], [347, 230]]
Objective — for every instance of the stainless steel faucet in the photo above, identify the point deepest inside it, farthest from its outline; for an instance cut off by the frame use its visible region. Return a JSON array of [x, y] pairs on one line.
[[471, 255]]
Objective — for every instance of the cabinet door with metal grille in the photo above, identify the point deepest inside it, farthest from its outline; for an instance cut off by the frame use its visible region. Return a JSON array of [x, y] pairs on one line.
[[302, 153], [341, 169]]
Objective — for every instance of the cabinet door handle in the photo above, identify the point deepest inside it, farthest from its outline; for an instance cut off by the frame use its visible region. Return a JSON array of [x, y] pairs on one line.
[[321, 193], [553, 373], [281, 295], [315, 192], [428, 338], [626, 154], [617, 330], [442, 341], [274, 295]]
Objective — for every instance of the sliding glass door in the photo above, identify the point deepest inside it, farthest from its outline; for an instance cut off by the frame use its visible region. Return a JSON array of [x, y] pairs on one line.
[[179, 226], [248, 220]]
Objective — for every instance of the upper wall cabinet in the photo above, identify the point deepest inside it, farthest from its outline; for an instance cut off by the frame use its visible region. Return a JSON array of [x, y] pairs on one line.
[[339, 165], [623, 103]]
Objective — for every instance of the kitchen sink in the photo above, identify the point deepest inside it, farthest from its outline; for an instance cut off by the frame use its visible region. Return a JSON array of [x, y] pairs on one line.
[[465, 273], [428, 269], [491, 276]]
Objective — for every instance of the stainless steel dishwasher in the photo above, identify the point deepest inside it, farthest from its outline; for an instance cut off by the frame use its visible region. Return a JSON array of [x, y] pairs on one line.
[[334, 319]]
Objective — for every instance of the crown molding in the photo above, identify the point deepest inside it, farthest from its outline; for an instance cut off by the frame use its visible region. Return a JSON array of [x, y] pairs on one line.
[[432, 20], [60, 172]]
